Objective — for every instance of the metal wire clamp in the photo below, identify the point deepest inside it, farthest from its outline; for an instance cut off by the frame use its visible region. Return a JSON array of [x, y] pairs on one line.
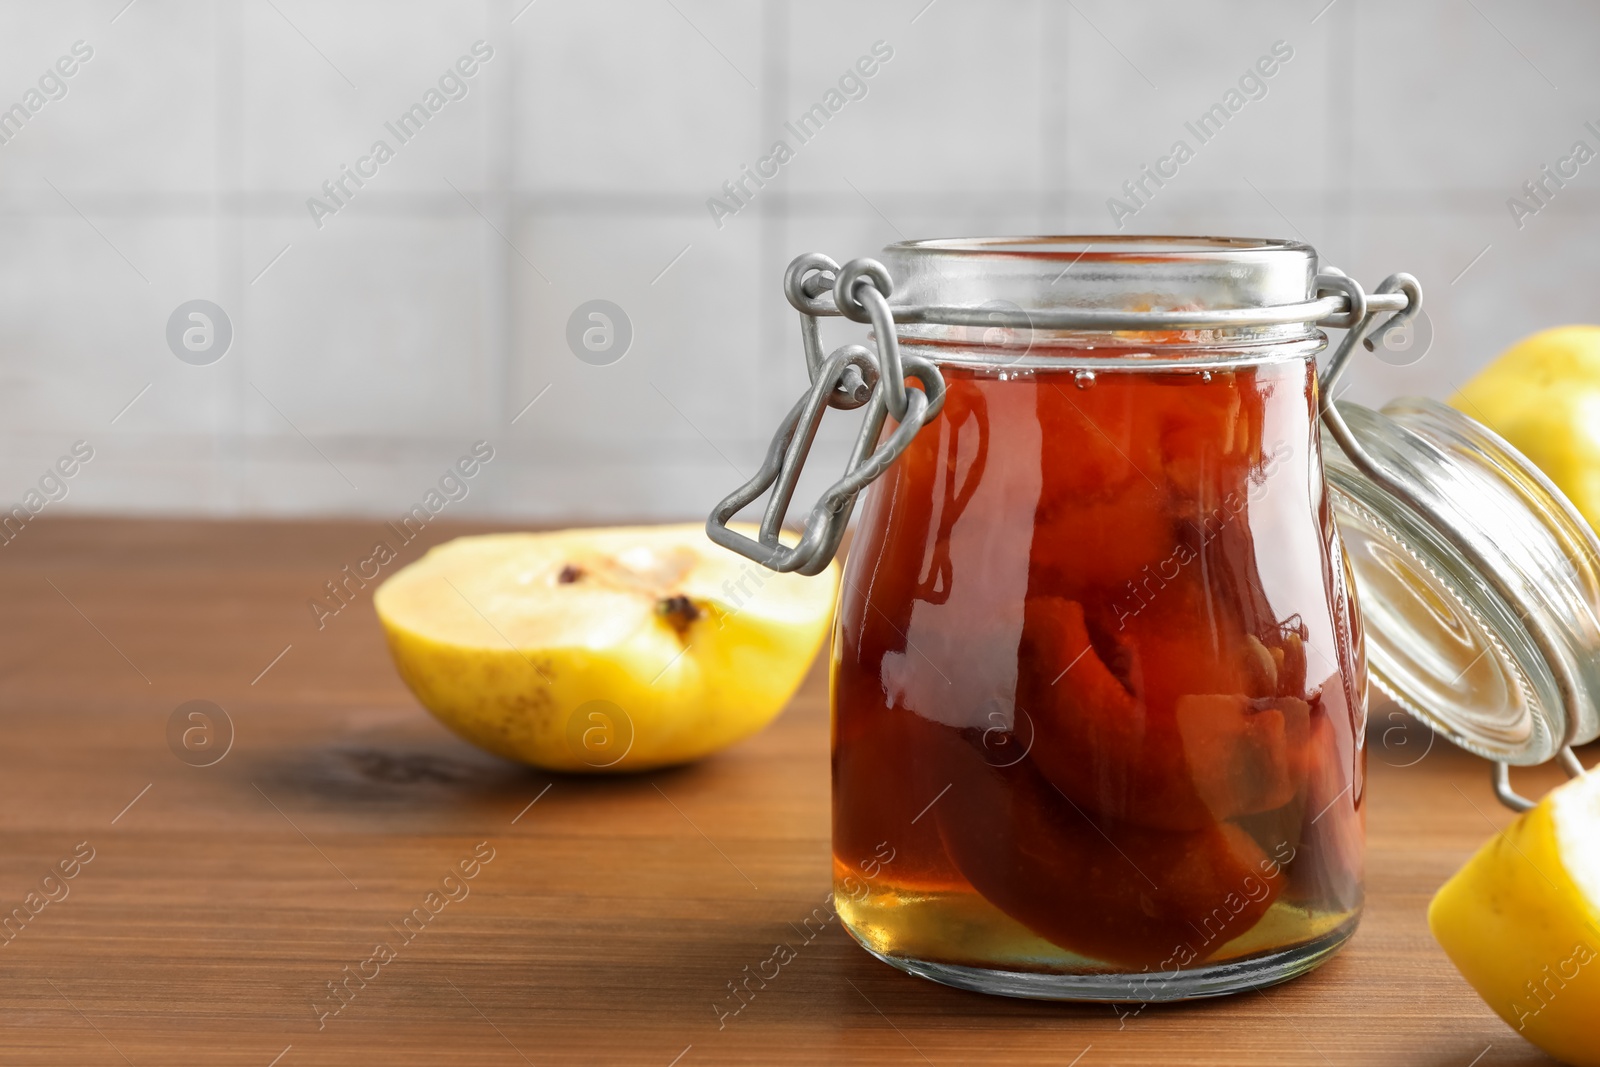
[[851, 377]]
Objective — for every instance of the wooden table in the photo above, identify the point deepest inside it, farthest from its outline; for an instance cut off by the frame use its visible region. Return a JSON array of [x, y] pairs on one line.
[[222, 901]]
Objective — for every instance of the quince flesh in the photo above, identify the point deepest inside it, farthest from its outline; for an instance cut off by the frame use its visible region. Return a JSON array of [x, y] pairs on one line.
[[614, 649]]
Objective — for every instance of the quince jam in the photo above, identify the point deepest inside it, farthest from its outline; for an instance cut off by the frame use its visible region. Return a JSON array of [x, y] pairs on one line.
[[1097, 682]]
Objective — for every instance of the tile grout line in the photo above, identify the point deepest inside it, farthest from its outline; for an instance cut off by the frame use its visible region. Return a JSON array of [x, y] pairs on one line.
[[231, 440], [501, 169], [774, 228]]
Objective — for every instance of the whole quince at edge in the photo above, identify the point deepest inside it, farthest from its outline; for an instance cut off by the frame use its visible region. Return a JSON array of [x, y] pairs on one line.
[[616, 649], [1521, 921], [1543, 396]]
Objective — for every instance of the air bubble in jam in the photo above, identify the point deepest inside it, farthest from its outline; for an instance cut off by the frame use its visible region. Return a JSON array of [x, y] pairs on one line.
[[1086, 682]]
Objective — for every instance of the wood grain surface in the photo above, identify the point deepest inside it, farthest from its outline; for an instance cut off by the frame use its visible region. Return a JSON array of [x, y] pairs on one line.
[[222, 901]]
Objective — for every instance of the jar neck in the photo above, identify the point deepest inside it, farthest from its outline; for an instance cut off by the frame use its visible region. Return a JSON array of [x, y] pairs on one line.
[[1002, 347]]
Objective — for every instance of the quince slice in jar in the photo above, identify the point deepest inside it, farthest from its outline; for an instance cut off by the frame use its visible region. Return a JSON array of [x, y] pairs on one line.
[[1154, 755], [1121, 894]]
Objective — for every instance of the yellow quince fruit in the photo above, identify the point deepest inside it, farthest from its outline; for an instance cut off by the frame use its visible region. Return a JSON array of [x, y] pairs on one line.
[[1521, 921], [614, 649], [1543, 395]]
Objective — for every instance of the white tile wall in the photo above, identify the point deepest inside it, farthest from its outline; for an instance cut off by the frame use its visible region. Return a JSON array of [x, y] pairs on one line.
[[431, 309]]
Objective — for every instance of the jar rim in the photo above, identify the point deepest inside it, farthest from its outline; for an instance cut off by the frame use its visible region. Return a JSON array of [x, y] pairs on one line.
[[1113, 246]]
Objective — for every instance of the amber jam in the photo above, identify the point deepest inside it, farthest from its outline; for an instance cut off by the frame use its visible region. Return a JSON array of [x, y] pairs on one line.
[[1098, 687]]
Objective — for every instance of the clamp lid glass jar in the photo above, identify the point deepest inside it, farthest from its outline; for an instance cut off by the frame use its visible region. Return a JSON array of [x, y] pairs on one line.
[[1099, 679]]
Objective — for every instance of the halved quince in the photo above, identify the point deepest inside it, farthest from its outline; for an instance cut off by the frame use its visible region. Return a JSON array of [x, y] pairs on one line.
[[1543, 395], [1521, 921], [611, 649]]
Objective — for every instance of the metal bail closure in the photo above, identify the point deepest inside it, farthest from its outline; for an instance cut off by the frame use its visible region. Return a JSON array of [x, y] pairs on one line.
[[848, 378], [1479, 582]]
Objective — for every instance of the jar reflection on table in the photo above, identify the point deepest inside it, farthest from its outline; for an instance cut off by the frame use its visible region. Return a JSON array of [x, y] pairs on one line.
[[1097, 681]]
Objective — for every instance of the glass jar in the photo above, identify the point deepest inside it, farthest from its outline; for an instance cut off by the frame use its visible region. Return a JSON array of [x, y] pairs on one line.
[[1099, 678]]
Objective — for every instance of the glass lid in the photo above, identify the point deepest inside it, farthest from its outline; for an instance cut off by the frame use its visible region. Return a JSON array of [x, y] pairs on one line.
[[1480, 595]]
